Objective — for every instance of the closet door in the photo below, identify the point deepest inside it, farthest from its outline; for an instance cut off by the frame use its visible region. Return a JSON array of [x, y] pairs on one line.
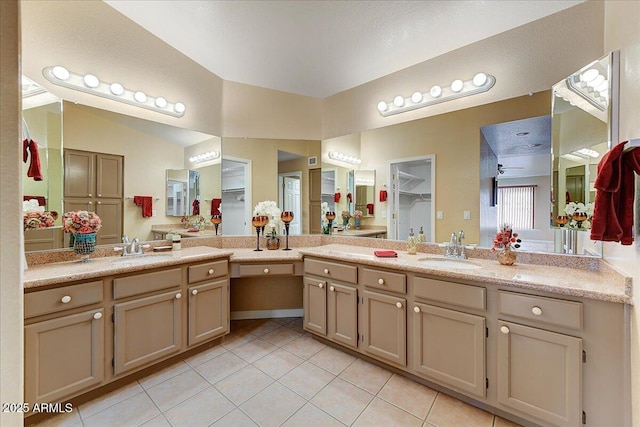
[[109, 176], [110, 212], [79, 174]]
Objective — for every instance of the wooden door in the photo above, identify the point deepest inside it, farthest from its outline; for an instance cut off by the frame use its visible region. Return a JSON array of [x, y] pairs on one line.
[[315, 201], [342, 314], [449, 347], [315, 305], [208, 311], [63, 356], [79, 173], [110, 213], [109, 176], [384, 327], [540, 373], [146, 329]]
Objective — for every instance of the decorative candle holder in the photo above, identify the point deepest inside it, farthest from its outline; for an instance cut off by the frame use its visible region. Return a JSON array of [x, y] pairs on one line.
[[331, 215], [286, 217], [562, 220], [257, 222], [216, 220], [579, 218]]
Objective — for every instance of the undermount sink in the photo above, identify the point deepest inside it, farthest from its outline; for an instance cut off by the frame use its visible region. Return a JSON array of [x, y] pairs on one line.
[[459, 264], [141, 259]]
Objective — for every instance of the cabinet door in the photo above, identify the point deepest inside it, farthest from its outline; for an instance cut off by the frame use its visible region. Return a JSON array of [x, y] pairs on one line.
[[79, 173], [110, 212], [63, 356], [342, 312], [449, 347], [109, 175], [315, 305], [540, 373], [146, 329], [208, 311], [385, 327]]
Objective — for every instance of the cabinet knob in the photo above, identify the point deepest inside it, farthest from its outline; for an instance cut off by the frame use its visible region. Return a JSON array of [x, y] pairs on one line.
[[65, 299], [321, 285], [380, 281], [416, 309], [97, 316], [536, 310], [178, 295], [89, 204], [266, 271], [99, 195], [332, 289], [90, 195], [326, 271], [210, 271], [399, 304], [504, 329], [98, 203], [194, 292]]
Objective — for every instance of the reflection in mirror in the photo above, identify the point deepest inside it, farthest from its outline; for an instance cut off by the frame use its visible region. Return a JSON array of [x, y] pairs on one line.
[[236, 196], [290, 169], [183, 192], [365, 181]]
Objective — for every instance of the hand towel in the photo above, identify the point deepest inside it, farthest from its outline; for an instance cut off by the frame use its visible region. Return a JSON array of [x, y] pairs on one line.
[[370, 208], [385, 254], [383, 195], [196, 207], [350, 197], [35, 167], [147, 205], [42, 201], [215, 206], [336, 197]]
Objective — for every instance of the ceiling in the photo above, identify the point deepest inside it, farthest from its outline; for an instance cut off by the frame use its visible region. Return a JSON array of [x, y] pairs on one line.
[[320, 48]]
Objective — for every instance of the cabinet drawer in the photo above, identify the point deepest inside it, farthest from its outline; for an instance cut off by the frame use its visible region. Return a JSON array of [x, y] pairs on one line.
[[553, 311], [265, 269], [52, 300], [380, 279], [147, 282], [209, 270], [451, 293], [332, 270]]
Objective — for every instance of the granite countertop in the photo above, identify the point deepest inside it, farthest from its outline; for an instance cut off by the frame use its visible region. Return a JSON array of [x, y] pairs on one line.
[[362, 232], [179, 229]]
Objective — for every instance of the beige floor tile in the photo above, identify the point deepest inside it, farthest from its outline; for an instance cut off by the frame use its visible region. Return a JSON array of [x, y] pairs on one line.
[[307, 379], [366, 375], [281, 336], [278, 363], [242, 324], [159, 421], [101, 403], [244, 384], [296, 325], [69, 419], [262, 327], [304, 347], [501, 422], [382, 414], [408, 395], [200, 358], [177, 389], [342, 400], [254, 349], [133, 411], [273, 405], [235, 418], [220, 367], [285, 320], [450, 412], [332, 360], [202, 409], [236, 339], [163, 375], [311, 416]]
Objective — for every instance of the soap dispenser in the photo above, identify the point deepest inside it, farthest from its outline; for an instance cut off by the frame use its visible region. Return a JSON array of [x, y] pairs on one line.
[[412, 243], [421, 238]]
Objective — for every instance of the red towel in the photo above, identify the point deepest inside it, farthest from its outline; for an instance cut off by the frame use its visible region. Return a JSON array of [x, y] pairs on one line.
[[42, 201], [613, 210], [336, 197], [196, 207], [215, 206], [147, 205], [35, 167], [350, 197], [370, 208], [385, 254], [383, 195]]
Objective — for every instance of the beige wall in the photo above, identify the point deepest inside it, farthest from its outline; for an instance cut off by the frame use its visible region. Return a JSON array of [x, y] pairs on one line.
[[11, 290], [622, 20]]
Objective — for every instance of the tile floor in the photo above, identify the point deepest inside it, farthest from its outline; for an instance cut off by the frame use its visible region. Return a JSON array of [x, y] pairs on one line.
[[272, 373]]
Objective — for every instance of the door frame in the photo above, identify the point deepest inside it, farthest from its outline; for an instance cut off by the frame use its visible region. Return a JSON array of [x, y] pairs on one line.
[[248, 205], [281, 177]]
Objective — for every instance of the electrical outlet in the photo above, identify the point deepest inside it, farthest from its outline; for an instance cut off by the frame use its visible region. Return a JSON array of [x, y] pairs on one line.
[[439, 215], [467, 214], [384, 214], [154, 212]]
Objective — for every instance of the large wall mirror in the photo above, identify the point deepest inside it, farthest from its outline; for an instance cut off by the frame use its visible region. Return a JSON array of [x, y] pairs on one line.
[[183, 192]]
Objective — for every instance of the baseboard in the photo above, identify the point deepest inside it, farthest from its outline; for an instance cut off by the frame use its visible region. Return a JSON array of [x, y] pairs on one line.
[[267, 314]]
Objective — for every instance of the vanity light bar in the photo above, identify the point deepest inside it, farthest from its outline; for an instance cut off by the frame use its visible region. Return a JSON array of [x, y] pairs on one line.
[[592, 86], [344, 158], [481, 82], [91, 84], [209, 155]]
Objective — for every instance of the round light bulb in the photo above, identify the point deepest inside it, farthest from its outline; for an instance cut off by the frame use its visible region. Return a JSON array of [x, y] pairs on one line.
[[479, 79], [179, 107], [116, 89], [382, 106], [161, 102], [435, 91], [398, 101], [416, 97], [359, 161], [589, 75], [192, 159], [91, 81], [597, 81], [457, 85], [140, 96], [602, 87], [60, 73]]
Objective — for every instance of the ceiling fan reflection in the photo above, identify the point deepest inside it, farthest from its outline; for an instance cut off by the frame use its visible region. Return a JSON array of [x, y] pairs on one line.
[[502, 168]]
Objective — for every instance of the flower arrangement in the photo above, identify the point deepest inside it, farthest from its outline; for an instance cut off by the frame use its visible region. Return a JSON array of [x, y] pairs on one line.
[[81, 222], [35, 219], [506, 238], [194, 221], [270, 209], [579, 214], [345, 215], [357, 214]]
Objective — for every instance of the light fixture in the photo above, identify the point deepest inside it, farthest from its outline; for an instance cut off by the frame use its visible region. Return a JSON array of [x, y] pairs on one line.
[[344, 158], [90, 83], [522, 133], [592, 86], [587, 152], [481, 82], [209, 155]]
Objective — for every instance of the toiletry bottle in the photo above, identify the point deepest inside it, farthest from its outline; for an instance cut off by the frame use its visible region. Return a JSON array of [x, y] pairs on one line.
[[177, 245], [421, 238], [412, 243]]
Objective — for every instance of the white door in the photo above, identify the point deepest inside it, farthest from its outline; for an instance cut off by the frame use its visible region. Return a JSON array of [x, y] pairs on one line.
[[236, 206], [292, 202]]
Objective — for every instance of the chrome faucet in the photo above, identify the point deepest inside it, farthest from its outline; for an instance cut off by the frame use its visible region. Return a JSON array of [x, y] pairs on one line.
[[455, 247], [131, 248]]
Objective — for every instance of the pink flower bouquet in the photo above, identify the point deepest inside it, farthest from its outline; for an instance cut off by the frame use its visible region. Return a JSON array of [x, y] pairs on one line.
[[33, 220], [81, 222]]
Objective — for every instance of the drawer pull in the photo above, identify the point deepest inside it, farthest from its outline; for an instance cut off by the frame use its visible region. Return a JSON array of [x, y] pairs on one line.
[[194, 292], [399, 304], [266, 271], [536, 310], [332, 289], [210, 271], [321, 285], [326, 271], [416, 309], [97, 316], [178, 295], [65, 299], [380, 281], [504, 329]]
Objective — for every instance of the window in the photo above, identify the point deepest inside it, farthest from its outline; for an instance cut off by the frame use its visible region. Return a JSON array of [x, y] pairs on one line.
[[516, 206]]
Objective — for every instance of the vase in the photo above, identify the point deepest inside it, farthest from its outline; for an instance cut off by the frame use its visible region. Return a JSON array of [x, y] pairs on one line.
[[345, 221], [273, 243], [357, 223], [84, 245], [506, 256]]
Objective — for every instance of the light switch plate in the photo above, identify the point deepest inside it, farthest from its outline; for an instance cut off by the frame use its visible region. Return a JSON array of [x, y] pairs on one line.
[[384, 214], [439, 215], [467, 214]]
